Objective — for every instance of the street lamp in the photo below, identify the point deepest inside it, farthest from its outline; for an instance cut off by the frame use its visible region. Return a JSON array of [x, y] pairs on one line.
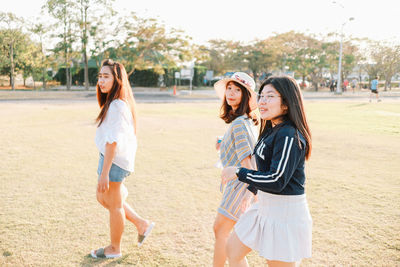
[[339, 80]]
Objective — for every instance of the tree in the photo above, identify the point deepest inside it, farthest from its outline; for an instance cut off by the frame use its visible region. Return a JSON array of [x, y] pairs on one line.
[[381, 59], [351, 57], [318, 63], [25, 54], [62, 11], [104, 36], [387, 58], [13, 26], [148, 44], [41, 61], [215, 60], [83, 23], [305, 55], [89, 11], [261, 56], [201, 54], [225, 56], [372, 71]]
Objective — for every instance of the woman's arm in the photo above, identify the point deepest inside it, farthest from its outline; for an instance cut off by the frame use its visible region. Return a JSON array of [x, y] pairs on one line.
[[250, 192], [285, 159], [103, 183], [246, 163], [114, 134], [249, 164], [243, 147]]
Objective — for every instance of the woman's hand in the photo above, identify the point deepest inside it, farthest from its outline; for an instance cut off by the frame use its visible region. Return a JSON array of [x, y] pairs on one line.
[[255, 199], [246, 201], [218, 143], [228, 174], [102, 185]]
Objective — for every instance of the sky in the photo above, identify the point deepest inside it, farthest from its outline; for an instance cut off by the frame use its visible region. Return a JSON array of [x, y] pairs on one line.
[[256, 19]]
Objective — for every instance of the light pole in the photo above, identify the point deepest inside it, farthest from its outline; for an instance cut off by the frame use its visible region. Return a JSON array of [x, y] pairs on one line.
[[339, 79]]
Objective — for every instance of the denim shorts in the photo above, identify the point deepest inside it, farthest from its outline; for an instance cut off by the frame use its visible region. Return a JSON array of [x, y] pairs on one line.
[[116, 174]]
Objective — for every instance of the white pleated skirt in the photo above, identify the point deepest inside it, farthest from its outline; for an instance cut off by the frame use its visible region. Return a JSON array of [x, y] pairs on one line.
[[279, 227]]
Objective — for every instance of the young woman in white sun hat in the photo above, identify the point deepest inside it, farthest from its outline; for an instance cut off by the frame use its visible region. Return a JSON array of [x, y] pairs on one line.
[[237, 110], [279, 225]]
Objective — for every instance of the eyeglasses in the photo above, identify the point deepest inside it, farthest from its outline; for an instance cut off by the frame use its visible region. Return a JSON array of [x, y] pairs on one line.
[[267, 97]]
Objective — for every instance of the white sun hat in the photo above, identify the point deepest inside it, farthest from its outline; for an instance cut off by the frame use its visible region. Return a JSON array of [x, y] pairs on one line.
[[243, 79]]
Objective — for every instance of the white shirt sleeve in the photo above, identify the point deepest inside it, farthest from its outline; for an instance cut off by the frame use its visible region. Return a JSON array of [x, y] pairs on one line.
[[118, 127], [115, 123]]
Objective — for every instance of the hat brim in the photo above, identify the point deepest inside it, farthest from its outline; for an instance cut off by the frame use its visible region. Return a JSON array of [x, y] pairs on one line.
[[220, 88]]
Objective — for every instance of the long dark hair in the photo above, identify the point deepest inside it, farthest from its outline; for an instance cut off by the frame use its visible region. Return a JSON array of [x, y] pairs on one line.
[[120, 89], [228, 114], [292, 98]]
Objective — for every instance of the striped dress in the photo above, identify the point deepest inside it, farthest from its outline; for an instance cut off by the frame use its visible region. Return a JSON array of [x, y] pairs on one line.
[[237, 144]]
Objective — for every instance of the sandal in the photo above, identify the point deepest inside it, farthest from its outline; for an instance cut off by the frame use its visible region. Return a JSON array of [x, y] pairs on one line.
[[99, 253], [142, 238]]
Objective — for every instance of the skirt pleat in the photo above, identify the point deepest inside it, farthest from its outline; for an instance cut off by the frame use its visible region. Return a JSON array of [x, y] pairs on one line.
[[278, 227]]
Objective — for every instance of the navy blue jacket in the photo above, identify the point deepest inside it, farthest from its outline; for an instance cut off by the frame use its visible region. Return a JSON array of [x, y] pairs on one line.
[[280, 157]]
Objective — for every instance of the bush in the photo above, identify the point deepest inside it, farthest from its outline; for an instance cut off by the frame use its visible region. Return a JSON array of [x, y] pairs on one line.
[[169, 76], [60, 76], [79, 78], [146, 78], [199, 73]]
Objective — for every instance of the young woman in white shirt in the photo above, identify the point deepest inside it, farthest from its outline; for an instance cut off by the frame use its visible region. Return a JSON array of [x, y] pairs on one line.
[[116, 142]]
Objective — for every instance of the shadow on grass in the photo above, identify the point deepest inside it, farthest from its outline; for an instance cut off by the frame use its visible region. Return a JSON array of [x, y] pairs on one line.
[[89, 261], [358, 105], [145, 257]]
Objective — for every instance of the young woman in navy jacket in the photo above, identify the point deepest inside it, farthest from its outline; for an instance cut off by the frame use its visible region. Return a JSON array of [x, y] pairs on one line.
[[279, 225]]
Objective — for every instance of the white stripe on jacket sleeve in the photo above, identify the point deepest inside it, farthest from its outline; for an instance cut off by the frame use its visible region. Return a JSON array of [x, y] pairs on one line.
[[284, 158]]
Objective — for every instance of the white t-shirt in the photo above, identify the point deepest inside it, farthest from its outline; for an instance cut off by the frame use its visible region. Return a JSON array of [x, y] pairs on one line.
[[118, 127]]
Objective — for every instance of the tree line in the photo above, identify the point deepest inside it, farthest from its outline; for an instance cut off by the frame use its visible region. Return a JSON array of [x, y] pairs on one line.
[[80, 30]]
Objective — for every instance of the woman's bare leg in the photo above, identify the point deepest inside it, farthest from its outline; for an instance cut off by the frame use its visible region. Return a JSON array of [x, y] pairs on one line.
[[131, 215], [236, 251], [114, 201], [222, 228], [282, 264]]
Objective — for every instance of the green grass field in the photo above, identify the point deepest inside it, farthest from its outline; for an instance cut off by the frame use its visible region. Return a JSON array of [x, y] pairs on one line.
[[49, 215]]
